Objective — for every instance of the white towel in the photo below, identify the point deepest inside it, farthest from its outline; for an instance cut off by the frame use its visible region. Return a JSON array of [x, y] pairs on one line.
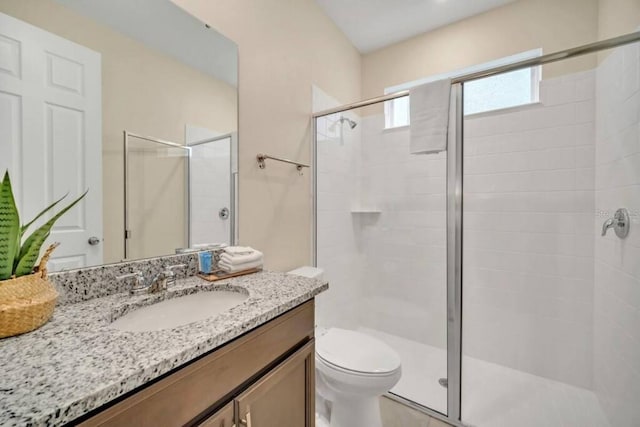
[[240, 259], [239, 250], [239, 264], [239, 267], [429, 117]]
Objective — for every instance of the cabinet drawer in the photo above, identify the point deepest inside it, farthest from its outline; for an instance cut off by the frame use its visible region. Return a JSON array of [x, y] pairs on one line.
[[182, 396]]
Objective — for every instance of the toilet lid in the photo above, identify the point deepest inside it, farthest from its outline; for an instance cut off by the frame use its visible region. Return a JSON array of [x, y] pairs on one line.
[[357, 352]]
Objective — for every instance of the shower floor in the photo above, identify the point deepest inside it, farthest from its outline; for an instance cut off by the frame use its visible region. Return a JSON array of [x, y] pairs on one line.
[[493, 395]]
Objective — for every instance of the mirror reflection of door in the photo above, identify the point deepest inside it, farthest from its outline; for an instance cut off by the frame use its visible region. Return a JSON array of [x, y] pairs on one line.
[[51, 134], [210, 180], [75, 74]]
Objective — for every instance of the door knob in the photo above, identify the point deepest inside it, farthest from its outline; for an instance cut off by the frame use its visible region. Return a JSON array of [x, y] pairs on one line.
[[93, 240]]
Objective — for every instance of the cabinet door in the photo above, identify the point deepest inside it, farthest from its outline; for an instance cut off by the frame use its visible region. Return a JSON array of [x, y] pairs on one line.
[[222, 418], [284, 397]]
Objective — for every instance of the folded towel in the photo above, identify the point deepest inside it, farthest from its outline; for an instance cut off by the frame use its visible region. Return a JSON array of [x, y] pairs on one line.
[[429, 117], [240, 259], [239, 250], [239, 267]]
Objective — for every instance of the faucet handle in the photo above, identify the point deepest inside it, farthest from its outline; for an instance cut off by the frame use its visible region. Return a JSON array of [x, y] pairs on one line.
[[136, 274], [620, 223], [139, 280], [169, 273], [171, 267], [607, 225]]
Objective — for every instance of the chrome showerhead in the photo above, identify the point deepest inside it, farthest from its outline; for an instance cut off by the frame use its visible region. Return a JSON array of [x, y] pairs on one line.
[[352, 124], [341, 120]]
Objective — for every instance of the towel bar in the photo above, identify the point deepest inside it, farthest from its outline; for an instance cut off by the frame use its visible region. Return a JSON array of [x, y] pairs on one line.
[[262, 157]]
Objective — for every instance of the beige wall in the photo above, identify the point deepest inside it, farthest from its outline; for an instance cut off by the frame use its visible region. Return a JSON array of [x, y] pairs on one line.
[[517, 27], [143, 92], [617, 17], [285, 47]]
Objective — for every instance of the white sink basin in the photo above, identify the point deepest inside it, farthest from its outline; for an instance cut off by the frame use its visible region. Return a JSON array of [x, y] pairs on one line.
[[179, 311]]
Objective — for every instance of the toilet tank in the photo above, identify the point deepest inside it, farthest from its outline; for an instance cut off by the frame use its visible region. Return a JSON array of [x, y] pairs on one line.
[[307, 271]]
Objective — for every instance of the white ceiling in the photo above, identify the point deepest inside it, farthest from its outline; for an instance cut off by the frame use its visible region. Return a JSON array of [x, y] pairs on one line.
[[373, 24], [164, 27]]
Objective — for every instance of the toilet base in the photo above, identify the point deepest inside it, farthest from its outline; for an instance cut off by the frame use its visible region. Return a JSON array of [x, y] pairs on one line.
[[356, 412], [321, 421], [323, 407]]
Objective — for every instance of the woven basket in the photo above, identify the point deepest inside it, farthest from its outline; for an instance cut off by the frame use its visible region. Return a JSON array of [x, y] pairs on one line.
[[27, 302]]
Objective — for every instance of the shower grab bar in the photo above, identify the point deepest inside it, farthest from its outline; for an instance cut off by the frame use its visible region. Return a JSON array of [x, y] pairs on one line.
[[262, 157]]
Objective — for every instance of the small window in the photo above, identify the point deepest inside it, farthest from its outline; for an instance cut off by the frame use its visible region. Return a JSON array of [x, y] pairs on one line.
[[506, 90], [520, 87], [396, 113]]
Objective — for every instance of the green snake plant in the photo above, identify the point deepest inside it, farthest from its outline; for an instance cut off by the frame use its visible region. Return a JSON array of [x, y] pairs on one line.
[[18, 255]]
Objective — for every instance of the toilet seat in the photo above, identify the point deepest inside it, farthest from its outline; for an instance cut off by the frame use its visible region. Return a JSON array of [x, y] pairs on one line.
[[355, 353], [326, 365]]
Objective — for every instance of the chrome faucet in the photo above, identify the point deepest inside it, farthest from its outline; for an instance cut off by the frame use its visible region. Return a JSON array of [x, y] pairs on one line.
[[607, 225], [157, 283], [619, 223], [138, 286]]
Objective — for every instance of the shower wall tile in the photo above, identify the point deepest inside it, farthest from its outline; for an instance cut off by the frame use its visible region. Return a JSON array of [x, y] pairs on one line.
[[557, 91], [528, 233], [405, 287], [210, 191], [617, 270], [339, 242]]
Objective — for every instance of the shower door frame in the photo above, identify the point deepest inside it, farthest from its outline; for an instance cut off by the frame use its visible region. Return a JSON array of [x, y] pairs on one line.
[[127, 230], [455, 167]]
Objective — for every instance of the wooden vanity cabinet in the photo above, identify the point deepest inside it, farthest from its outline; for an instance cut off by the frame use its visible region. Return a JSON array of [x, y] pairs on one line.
[[224, 417], [284, 397], [265, 378]]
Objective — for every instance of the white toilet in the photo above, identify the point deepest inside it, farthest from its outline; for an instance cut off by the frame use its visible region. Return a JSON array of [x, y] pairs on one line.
[[352, 371]]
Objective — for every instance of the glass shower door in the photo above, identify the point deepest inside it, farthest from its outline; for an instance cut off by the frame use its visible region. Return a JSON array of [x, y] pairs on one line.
[[381, 240]]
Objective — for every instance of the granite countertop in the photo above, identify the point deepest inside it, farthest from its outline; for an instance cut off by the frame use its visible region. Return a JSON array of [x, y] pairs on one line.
[[77, 362]]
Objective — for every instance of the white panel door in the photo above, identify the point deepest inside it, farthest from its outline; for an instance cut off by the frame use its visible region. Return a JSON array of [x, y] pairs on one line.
[[51, 134], [210, 187]]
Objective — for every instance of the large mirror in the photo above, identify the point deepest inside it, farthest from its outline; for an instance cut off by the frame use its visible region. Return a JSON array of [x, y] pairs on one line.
[[135, 101]]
